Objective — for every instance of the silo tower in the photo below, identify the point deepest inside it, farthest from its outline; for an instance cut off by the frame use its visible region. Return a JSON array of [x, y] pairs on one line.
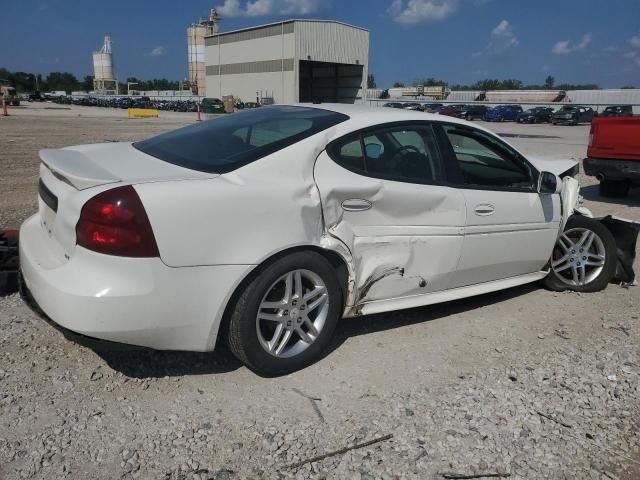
[[104, 79], [195, 50]]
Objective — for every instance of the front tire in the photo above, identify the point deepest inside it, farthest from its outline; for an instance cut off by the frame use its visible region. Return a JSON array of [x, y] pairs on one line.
[[584, 258], [286, 316]]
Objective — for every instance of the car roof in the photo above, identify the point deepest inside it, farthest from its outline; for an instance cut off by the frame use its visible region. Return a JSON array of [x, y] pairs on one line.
[[363, 116]]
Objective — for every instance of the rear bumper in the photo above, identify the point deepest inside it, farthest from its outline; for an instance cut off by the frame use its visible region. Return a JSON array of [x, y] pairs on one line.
[[612, 169], [137, 301]]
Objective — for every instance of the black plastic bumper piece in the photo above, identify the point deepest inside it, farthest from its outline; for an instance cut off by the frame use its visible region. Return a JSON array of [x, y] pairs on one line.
[[613, 169]]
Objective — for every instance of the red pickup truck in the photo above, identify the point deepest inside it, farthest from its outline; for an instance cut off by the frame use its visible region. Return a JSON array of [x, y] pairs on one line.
[[614, 154]]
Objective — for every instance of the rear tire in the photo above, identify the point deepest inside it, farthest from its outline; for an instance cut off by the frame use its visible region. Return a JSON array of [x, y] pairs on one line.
[[266, 318], [614, 188], [582, 267]]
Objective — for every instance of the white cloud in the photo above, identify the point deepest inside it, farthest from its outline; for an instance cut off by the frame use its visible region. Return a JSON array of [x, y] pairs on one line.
[[564, 47], [157, 52], [630, 54], [262, 8], [635, 41], [501, 39], [412, 12]]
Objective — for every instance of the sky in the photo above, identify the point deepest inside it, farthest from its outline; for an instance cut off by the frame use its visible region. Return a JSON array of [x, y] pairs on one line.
[[459, 41]]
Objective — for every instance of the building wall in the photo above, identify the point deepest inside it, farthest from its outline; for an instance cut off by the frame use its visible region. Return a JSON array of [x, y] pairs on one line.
[[266, 59], [259, 60], [332, 42]]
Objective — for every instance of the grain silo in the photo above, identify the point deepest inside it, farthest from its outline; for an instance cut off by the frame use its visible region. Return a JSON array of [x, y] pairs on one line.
[[195, 50], [104, 79]]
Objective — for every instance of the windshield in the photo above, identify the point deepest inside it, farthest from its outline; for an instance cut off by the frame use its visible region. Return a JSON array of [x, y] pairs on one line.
[[568, 109], [224, 144]]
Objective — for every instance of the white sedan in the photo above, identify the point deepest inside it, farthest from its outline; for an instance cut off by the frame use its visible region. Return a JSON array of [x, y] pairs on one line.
[[266, 227]]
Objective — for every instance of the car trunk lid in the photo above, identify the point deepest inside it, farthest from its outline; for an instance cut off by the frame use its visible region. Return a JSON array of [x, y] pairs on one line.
[[71, 176]]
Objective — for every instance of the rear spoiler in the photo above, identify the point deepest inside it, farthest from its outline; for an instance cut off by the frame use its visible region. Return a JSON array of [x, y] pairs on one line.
[[76, 168]]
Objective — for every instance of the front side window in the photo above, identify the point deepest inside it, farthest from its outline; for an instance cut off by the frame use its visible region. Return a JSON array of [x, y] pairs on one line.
[[404, 153], [225, 144], [483, 161]]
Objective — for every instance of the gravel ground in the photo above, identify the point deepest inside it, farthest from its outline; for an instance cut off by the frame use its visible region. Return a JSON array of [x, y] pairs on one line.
[[522, 383]]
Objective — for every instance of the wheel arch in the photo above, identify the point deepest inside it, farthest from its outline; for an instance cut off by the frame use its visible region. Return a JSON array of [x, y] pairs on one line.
[[338, 260]]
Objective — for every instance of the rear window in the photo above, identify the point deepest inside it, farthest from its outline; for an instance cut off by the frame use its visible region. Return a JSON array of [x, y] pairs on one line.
[[225, 144]]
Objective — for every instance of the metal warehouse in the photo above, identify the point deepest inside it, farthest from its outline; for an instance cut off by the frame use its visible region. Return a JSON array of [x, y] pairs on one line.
[[288, 62]]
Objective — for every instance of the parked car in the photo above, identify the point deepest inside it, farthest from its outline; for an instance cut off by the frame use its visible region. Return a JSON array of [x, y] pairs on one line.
[[572, 115], [431, 107], [502, 113], [535, 115], [613, 156], [267, 226], [618, 111], [471, 112], [393, 105], [413, 106], [252, 105], [450, 110], [212, 105]]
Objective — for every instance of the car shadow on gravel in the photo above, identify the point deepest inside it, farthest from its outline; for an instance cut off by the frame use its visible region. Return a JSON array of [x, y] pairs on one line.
[[146, 364], [592, 192], [367, 324], [143, 363]]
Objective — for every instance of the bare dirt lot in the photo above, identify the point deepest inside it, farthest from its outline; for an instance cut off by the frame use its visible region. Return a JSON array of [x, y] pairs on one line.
[[523, 384]]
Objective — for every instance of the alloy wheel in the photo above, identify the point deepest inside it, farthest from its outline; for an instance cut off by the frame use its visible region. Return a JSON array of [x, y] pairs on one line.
[[579, 256], [292, 313]]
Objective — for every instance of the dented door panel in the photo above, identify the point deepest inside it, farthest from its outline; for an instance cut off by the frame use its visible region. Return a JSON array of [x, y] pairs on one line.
[[407, 243]]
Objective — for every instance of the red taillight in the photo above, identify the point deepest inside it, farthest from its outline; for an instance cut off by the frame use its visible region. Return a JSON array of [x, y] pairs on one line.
[[115, 223]]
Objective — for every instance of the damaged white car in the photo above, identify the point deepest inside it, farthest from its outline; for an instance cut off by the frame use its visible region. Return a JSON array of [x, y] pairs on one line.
[[266, 227]]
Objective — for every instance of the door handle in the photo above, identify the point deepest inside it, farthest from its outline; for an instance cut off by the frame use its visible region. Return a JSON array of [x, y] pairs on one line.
[[356, 205], [484, 210]]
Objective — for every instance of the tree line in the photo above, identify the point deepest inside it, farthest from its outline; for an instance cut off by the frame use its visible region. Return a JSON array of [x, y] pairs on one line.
[[492, 84], [58, 81], [30, 82]]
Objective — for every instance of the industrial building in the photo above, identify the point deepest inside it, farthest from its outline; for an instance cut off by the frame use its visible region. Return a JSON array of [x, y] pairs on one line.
[[289, 62]]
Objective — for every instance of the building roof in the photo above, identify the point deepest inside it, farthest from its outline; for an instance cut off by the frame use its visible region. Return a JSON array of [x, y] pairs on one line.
[[266, 25]]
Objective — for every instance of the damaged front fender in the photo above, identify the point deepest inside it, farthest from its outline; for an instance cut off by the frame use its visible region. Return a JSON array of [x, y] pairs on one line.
[[624, 231]]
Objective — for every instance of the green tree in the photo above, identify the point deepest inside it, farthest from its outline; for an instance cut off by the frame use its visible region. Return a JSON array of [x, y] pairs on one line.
[[398, 85], [549, 82], [429, 82], [371, 81], [62, 81], [87, 83]]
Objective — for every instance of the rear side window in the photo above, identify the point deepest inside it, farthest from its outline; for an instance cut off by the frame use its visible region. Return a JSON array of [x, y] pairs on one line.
[[405, 153], [228, 143]]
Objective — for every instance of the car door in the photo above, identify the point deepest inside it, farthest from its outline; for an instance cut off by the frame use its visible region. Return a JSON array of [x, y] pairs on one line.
[[383, 197], [510, 228]]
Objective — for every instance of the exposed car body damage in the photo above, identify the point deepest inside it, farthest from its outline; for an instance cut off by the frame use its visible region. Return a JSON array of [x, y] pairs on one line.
[[626, 235], [390, 266]]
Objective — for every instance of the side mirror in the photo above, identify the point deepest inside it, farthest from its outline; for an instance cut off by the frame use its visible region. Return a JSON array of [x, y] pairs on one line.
[[547, 183]]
